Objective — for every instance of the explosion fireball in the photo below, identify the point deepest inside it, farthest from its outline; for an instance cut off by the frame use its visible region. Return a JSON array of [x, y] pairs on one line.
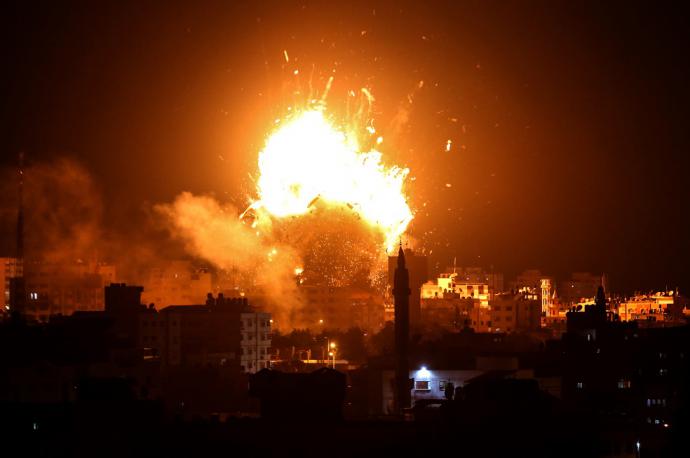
[[308, 159]]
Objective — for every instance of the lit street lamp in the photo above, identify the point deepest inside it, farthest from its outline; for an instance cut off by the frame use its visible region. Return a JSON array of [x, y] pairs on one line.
[[332, 352]]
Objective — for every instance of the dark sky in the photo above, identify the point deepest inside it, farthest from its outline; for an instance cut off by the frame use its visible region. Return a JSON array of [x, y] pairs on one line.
[[569, 120]]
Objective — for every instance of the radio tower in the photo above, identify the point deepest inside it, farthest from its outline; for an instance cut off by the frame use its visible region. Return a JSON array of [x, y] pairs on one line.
[[17, 283], [20, 215]]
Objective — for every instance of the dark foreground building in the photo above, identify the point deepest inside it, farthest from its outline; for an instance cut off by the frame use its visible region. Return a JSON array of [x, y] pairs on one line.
[[313, 397]]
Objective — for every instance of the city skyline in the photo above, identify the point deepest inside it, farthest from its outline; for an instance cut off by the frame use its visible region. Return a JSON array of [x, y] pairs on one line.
[[336, 229]]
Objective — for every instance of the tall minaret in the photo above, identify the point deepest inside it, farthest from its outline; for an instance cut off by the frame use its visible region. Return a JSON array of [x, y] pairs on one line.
[[401, 294]]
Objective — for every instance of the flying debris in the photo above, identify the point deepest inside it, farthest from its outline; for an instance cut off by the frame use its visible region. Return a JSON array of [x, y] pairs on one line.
[[368, 94], [313, 201]]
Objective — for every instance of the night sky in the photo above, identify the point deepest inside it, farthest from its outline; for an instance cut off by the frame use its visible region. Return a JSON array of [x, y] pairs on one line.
[[568, 120]]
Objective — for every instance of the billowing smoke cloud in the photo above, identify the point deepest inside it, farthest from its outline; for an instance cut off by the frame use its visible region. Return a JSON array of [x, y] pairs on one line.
[[216, 234], [330, 244], [65, 222], [63, 211]]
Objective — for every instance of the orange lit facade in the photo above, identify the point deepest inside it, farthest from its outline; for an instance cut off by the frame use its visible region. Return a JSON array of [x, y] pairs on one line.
[[330, 307], [657, 307], [510, 313], [452, 283], [178, 283], [503, 313]]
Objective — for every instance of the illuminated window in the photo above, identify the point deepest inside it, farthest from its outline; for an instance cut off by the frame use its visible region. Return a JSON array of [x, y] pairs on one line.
[[580, 385], [422, 385], [623, 384], [442, 385]]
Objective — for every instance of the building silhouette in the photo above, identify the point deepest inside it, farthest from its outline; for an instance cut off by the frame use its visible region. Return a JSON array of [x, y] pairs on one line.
[[314, 397]]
